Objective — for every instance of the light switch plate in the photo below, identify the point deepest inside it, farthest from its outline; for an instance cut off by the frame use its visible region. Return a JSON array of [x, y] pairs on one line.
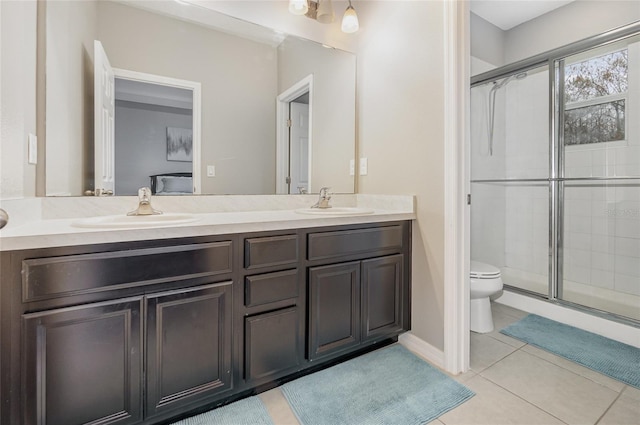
[[211, 170], [364, 167], [32, 148], [352, 167]]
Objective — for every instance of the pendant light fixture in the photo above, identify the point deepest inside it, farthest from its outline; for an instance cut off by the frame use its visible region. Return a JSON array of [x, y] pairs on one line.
[[350, 22], [325, 13], [322, 11], [298, 7]]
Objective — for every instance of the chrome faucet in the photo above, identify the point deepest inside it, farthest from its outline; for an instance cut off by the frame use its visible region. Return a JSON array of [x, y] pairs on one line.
[[4, 218], [323, 198], [144, 203]]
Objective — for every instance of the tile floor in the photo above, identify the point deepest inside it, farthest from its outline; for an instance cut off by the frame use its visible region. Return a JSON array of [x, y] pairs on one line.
[[516, 383]]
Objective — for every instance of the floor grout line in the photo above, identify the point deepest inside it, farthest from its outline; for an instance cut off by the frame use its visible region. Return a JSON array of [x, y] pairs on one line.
[[523, 399], [610, 406]]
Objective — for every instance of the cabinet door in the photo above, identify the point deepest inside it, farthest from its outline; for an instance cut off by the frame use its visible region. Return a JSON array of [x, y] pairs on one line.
[[334, 309], [84, 364], [382, 297], [272, 344], [188, 346]]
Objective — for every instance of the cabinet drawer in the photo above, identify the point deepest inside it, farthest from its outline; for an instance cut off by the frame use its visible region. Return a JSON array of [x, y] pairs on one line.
[[349, 242], [52, 277], [272, 343], [270, 287], [270, 251]]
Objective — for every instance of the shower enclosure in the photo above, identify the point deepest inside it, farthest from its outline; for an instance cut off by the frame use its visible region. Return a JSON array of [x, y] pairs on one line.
[[555, 174]]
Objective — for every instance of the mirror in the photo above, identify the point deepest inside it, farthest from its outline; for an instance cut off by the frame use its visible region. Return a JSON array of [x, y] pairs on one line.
[[202, 101]]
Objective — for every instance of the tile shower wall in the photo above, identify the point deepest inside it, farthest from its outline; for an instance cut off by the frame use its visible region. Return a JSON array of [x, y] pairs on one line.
[[602, 236]]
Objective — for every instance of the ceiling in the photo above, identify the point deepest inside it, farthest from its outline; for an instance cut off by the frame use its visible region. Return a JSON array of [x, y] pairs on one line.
[[506, 14]]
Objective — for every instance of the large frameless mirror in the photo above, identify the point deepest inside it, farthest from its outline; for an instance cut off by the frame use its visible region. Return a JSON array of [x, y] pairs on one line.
[[187, 100]]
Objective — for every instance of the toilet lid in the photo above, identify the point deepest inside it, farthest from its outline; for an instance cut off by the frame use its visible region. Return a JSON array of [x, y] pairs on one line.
[[483, 270]]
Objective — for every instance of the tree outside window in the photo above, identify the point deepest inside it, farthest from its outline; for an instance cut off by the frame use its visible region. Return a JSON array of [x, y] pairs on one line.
[[595, 93]]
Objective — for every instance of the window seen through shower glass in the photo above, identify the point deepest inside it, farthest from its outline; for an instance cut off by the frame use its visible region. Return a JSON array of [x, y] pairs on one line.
[[595, 92], [601, 111]]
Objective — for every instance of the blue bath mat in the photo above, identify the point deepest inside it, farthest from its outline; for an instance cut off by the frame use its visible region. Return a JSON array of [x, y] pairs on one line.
[[612, 358], [387, 386], [248, 411]]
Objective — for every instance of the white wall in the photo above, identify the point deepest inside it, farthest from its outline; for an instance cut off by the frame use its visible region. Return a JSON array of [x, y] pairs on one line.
[[17, 97]]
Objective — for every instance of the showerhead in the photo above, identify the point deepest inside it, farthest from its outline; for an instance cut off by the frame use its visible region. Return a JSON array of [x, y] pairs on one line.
[[492, 102], [498, 85]]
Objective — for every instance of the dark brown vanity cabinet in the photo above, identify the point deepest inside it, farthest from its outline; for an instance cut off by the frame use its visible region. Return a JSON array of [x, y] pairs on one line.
[[358, 302], [273, 308], [124, 334], [146, 332], [355, 302], [85, 364]]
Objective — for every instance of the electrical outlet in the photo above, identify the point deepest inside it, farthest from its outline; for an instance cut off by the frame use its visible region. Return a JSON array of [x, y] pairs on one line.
[[364, 167], [211, 170], [352, 167]]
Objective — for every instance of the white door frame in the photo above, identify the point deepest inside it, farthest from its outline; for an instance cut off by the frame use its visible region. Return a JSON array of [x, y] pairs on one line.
[[196, 89], [456, 165], [282, 130]]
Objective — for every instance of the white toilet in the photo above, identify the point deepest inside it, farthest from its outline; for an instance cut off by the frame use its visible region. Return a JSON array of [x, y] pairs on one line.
[[485, 281]]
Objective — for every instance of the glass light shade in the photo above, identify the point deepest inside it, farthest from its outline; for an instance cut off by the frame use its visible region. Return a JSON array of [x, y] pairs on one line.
[[350, 20], [325, 12], [298, 7]]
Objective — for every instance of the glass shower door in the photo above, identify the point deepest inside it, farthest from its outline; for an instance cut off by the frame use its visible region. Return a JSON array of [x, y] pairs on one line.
[[598, 111], [510, 178]]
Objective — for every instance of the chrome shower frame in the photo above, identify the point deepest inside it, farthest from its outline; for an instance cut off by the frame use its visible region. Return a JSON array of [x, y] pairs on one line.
[[553, 60]]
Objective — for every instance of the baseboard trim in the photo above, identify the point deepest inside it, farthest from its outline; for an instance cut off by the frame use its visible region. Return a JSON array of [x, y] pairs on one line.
[[423, 349], [617, 331]]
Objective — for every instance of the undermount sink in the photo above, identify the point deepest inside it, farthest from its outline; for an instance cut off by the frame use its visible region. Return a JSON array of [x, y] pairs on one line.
[[336, 211], [135, 221]]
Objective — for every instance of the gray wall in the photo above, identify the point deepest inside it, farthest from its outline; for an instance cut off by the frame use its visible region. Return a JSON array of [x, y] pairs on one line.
[[573, 22], [487, 41], [141, 143]]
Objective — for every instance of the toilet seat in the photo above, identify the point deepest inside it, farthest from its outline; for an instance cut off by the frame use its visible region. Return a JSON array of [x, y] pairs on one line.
[[483, 271]]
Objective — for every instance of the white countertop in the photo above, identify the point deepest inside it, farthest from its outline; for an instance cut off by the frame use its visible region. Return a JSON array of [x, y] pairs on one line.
[[42, 232]]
